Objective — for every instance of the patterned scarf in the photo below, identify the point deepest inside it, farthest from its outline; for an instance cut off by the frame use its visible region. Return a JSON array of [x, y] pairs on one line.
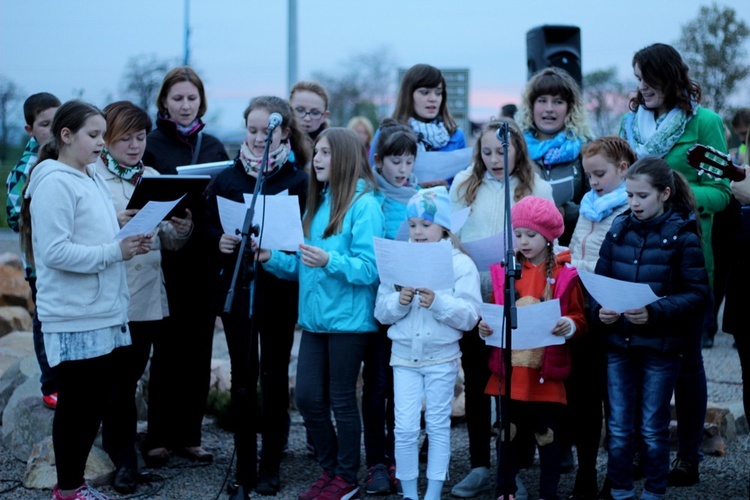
[[131, 174], [276, 159], [596, 208], [649, 136], [432, 135], [559, 149], [401, 194]]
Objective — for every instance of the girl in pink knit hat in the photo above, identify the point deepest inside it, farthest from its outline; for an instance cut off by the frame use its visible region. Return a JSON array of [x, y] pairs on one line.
[[537, 399]]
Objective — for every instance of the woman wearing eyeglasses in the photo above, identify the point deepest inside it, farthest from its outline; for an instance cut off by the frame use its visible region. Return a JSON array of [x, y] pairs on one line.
[[309, 100]]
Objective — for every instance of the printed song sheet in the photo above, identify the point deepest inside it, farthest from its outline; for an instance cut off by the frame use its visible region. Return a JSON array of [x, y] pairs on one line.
[[535, 324], [417, 265], [486, 251], [620, 296], [282, 226], [147, 218], [438, 165]]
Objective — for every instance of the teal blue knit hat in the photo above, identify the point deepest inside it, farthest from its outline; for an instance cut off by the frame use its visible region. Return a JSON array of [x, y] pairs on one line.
[[431, 204]]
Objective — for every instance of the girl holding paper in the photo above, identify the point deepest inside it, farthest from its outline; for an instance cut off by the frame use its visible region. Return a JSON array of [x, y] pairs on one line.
[[68, 228], [427, 366], [482, 187], [338, 280], [538, 398], [275, 308], [605, 161], [657, 242], [422, 104], [395, 153], [121, 167]]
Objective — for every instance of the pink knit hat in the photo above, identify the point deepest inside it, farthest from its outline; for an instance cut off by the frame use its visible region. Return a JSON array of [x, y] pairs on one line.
[[538, 214]]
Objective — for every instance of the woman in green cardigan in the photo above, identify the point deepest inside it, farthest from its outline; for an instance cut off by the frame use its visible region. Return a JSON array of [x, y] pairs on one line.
[[665, 120]]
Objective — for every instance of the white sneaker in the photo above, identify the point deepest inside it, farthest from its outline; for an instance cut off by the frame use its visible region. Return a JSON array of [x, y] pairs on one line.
[[476, 482]]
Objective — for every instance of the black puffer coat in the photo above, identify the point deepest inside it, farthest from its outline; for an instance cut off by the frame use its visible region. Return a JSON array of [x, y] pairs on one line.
[[665, 253]]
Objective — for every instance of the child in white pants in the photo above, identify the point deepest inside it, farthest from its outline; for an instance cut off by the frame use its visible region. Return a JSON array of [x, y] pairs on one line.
[[426, 328]]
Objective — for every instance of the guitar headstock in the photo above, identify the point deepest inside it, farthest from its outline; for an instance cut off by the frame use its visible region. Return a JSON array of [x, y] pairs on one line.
[[714, 163]]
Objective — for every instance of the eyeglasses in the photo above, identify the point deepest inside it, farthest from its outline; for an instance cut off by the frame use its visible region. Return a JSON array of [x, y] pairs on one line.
[[302, 113]]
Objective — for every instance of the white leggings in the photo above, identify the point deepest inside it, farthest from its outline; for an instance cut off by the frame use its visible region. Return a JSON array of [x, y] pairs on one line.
[[436, 384]]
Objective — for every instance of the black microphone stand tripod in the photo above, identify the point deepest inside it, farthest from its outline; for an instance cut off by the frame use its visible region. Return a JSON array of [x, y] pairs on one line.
[[248, 265], [510, 310]]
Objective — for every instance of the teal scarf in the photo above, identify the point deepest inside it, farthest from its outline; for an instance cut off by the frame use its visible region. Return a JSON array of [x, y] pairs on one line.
[[559, 149], [596, 208]]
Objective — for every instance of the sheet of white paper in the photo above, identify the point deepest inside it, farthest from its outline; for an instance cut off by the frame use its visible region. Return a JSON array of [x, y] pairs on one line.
[[439, 165], [403, 232], [617, 295], [147, 218], [486, 251], [231, 214], [417, 265], [535, 324], [458, 219], [249, 196], [282, 225]]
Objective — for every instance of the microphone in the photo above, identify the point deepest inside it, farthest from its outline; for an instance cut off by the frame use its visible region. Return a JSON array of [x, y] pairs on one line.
[[274, 121], [502, 132]]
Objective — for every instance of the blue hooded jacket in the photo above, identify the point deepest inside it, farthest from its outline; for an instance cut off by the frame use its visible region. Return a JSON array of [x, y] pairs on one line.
[[340, 297]]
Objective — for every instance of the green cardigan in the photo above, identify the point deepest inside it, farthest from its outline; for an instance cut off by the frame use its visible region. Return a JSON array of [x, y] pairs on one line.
[[711, 195]]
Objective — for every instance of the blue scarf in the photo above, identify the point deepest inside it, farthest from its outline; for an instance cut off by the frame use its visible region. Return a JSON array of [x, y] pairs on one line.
[[596, 208], [559, 149]]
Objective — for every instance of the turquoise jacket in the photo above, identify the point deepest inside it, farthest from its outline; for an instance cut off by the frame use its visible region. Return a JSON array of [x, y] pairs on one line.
[[340, 297], [395, 214]]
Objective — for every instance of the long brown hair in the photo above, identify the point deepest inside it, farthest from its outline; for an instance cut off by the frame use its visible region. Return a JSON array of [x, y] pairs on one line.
[[523, 169], [422, 75], [72, 116], [663, 68], [348, 165]]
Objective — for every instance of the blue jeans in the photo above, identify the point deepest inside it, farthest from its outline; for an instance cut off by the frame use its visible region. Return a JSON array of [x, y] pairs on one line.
[[649, 376], [327, 371]]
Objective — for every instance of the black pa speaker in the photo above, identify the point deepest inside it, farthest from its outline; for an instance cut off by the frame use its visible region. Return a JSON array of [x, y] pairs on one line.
[[558, 46]]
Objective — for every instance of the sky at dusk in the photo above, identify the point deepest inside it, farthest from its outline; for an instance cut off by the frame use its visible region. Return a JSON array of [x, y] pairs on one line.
[[75, 47]]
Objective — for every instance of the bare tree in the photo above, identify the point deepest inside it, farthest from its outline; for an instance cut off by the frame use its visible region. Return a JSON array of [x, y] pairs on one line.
[[606, 100], [142, 79], [10, 94], [713, 46], [364, 87]]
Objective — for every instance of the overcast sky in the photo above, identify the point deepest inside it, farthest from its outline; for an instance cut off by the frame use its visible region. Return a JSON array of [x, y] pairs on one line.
[[239, 46]]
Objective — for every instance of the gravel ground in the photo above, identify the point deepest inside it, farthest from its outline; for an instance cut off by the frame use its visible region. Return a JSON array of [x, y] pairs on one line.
[[724, 477]]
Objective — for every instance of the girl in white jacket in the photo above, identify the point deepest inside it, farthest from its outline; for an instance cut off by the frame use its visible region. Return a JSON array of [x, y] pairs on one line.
[[426, 328]]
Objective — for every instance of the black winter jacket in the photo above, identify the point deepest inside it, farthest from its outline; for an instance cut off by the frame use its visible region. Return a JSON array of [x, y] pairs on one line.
[[272, 294], [167, 149], [666, 254]]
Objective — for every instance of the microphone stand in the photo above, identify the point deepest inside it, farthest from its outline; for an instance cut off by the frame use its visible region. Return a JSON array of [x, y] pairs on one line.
[[510, 310], [250, 268]]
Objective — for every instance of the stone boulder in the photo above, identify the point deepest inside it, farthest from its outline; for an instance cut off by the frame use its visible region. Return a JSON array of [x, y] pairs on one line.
[[14, 346], [26, 421], [16, 374], [12, 260], [14, 289], [14, 318], [40, 467]]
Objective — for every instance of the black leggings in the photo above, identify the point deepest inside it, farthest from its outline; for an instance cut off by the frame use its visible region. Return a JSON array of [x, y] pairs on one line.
[[83, 389]]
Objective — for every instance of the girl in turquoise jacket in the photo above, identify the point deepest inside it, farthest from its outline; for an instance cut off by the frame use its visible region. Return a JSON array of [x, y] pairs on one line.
[[338, 281]]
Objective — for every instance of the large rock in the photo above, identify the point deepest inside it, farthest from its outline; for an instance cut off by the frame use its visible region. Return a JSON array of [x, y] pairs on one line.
[[15, 346], [14, 318], [14, 289], [40, 467], [11, 259], [16, 374], [26, 421]]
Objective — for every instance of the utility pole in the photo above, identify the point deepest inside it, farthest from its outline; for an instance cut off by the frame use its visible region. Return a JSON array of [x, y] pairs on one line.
[[186, 58], [291, 71]]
